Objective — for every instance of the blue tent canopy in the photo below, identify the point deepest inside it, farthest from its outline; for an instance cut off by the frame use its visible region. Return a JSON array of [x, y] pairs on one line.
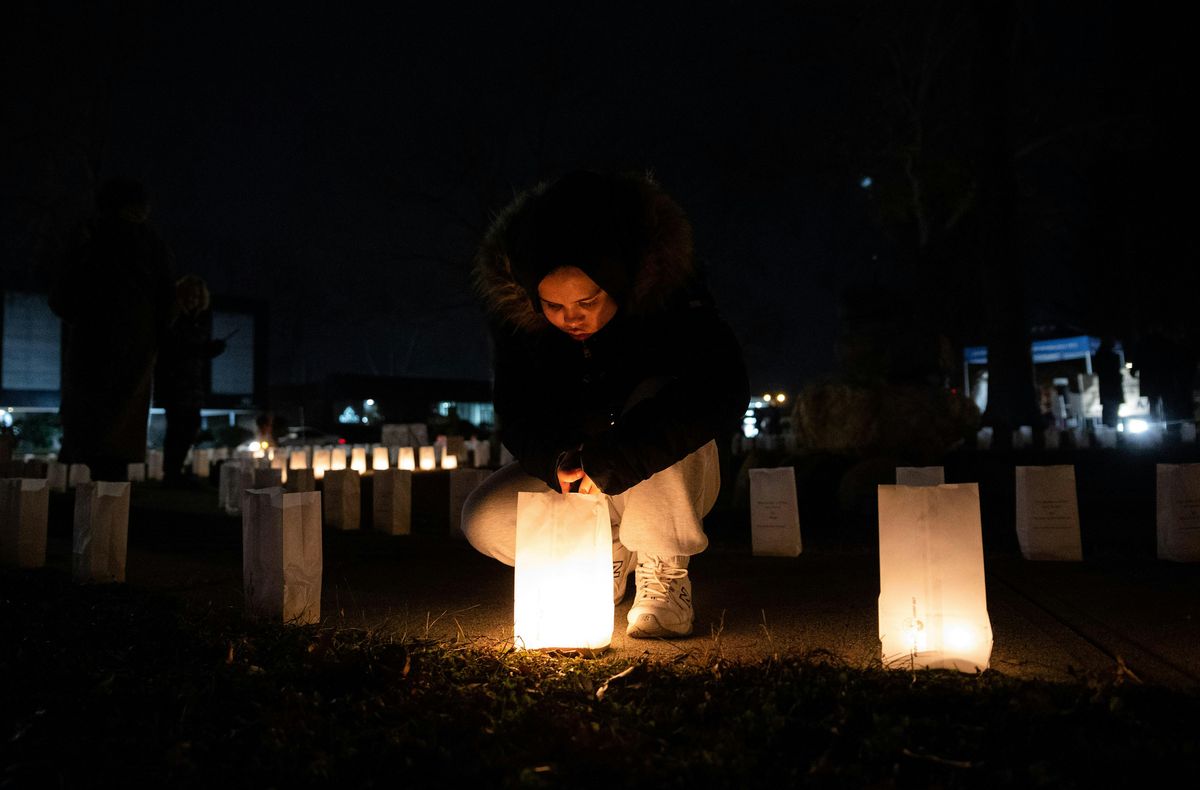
[[1057, 350]]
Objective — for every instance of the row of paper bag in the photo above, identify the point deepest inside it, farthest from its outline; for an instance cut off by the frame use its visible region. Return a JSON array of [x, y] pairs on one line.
[[281, 541], [101, 525], [392, 501], [1047, 510]]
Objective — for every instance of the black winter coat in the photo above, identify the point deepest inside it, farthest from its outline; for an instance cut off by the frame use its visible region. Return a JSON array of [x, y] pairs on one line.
[[663, 378]]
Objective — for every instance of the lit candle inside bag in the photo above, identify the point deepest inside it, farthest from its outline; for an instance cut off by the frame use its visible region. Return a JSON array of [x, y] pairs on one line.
[[932, 601], [321, 462], [280, 462], [562, 591], [379, 459]]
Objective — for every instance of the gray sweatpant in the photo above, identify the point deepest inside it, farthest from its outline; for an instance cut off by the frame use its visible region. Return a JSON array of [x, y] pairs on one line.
[[658, 516]]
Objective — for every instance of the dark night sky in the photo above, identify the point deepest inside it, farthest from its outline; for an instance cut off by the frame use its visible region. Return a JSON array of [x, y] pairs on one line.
[[341, 164]]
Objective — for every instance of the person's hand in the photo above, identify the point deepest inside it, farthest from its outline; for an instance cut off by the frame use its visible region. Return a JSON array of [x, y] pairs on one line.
[[586, 485]]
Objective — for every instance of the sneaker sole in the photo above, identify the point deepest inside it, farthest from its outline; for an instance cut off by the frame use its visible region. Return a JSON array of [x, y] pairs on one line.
[[647, 626]]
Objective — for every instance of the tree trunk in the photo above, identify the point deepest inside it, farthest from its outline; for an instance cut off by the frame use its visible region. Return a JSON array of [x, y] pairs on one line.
[[1012, 397]]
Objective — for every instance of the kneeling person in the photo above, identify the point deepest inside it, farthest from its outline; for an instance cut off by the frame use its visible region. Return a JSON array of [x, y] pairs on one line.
[[614, 375]]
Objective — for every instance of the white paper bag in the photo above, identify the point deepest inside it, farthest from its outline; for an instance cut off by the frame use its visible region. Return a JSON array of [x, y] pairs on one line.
[[154, 464], [932, 598], [1075, 407], [1022, 437], [300, 481], [229, 490], [56, 476], [1179, 512], [1187, 433], [342, 499], [920, 475], [322, 459], [427, 457], [462, 483], [201, 461], [136, 473], [392, 505], [24, 514], [562, 591], [774, 517], [101, 531], [380, 458], [983, 438], [238, 477], [281, 555], [77, 474], [483, 453], [1048, 513], [279, 464], [1053, 438]]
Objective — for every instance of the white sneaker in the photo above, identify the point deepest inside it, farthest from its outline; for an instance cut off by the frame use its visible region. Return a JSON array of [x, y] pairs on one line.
[[623, 561], [663, 606]]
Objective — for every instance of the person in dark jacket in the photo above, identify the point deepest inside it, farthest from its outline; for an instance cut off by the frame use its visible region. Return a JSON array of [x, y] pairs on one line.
[[1108, 368], [179, 378], [614, 375], [115, 298]]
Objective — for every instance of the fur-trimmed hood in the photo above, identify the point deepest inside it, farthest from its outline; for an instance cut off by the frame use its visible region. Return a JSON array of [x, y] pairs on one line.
[[654, 247]]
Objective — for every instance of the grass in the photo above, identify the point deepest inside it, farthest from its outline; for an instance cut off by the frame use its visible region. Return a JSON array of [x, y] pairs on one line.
[[107, 685]]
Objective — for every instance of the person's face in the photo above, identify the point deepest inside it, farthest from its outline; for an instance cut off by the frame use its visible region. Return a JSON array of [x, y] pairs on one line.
[[574, 303], [190, 297]]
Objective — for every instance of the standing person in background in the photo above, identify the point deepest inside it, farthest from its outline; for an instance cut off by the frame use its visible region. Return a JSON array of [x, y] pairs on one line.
[[1107, 366], [179, 379], [115, 297]]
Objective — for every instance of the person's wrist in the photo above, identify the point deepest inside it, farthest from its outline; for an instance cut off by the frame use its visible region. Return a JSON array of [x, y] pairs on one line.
[[568, 460]]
